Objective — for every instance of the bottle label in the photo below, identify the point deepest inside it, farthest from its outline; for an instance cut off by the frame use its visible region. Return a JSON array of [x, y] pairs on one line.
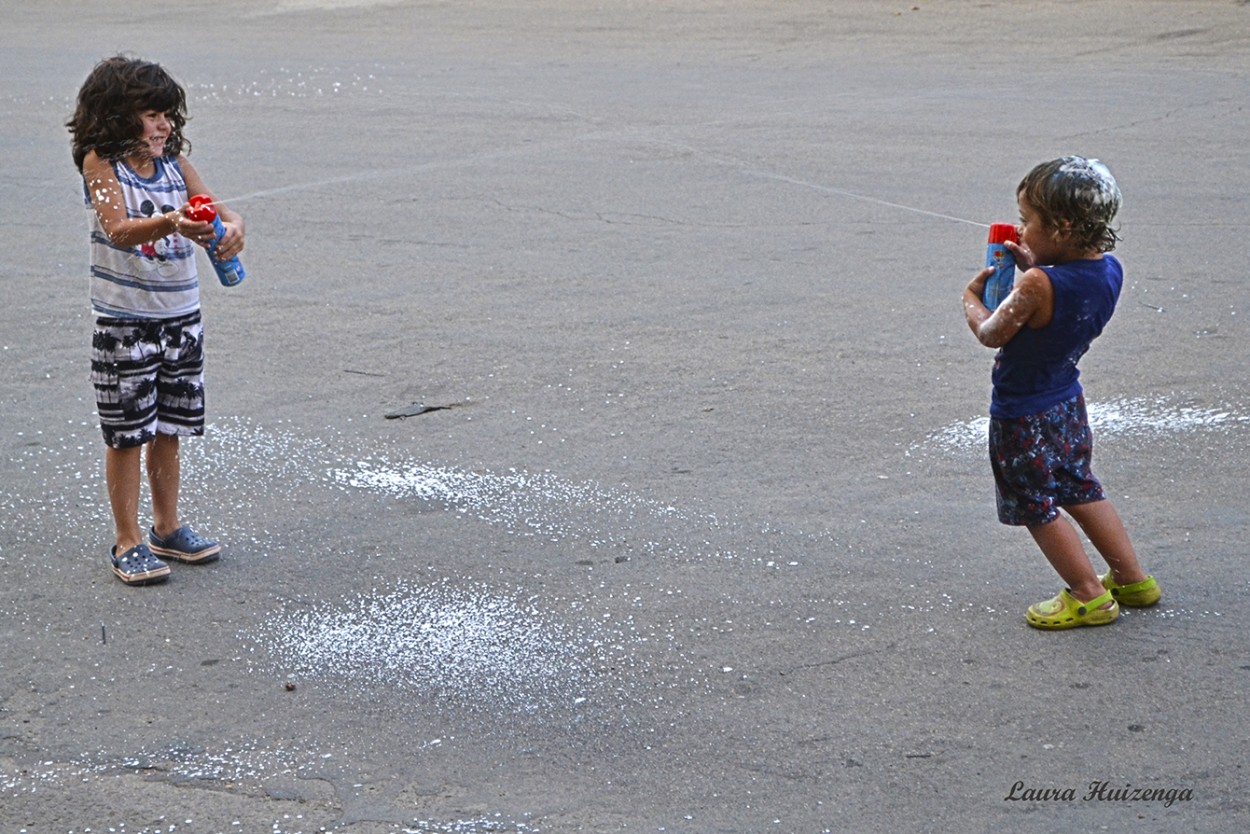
[[998, 285]]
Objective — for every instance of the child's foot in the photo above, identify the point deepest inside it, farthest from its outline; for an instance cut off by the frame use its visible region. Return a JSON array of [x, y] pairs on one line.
[[1136, 595], [137, 566], [185, 545], [1066, 611]]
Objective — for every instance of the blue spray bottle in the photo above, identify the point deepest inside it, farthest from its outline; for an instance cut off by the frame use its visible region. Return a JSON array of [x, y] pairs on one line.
[[230, 272], [998, 285]]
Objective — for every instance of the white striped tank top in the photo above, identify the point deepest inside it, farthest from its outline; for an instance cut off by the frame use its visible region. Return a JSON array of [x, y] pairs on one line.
[[153, 280]]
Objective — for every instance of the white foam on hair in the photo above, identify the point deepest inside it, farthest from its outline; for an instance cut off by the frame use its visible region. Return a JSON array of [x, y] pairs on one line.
[[1104, 190]]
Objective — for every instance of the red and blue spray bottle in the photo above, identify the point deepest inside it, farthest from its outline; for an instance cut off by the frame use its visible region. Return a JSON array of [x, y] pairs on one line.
[[230, 272], [998, 256]]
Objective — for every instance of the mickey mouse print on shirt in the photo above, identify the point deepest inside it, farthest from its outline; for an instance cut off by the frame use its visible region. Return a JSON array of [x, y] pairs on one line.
[[158, 253]]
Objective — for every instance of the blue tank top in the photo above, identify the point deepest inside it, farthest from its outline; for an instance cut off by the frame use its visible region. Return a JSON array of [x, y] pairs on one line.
[[1037, 368]]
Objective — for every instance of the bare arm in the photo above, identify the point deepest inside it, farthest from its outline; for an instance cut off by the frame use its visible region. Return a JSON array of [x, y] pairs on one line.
[[1031, 303], [231, 242], [110, 206]]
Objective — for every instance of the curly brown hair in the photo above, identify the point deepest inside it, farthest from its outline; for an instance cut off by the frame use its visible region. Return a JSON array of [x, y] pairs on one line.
[[107, 117], [1078, 194]]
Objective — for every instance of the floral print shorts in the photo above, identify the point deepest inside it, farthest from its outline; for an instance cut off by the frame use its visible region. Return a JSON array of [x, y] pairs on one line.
[[1041, 462]]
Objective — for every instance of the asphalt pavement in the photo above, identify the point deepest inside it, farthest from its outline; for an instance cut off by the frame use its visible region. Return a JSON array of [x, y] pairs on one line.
[[690, 526]]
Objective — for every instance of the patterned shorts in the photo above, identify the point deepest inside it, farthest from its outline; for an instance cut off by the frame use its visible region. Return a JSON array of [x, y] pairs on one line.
[[148, 376], [1042, 462]]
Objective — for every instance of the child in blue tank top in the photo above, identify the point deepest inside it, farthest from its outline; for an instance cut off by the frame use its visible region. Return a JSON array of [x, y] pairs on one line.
[[1040, 441]]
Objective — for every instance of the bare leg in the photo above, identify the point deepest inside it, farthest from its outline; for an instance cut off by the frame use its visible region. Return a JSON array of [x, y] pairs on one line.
[[1063, 549], [121, 474], [1106, 532], [165, 478]]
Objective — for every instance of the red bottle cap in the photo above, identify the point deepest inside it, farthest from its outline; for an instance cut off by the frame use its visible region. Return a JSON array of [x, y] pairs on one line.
[[201, 210], [999, 232]]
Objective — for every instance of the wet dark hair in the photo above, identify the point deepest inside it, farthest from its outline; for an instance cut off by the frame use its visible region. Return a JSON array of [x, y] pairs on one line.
[[107, 117], [1078, 194]]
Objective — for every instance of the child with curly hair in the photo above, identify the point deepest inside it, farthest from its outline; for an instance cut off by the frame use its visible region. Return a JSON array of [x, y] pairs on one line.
[[147, 363]]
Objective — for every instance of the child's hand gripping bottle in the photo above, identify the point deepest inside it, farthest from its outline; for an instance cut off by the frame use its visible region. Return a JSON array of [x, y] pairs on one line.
[[998, 285], [230, 272]]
